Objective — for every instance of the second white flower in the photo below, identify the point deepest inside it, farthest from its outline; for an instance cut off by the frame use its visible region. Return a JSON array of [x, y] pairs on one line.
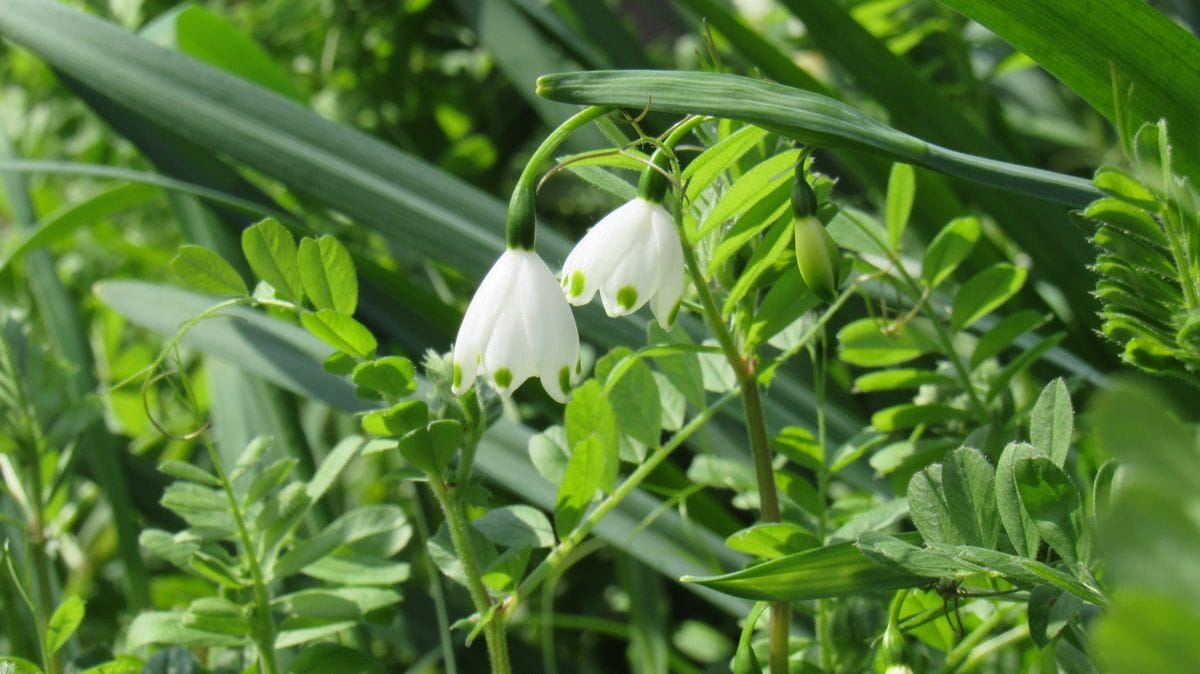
[[632, 256]]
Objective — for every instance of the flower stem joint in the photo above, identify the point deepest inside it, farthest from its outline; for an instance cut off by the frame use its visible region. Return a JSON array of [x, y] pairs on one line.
[[817, 255]]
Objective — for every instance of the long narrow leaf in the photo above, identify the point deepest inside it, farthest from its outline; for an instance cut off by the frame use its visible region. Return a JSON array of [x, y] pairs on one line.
[[805, 116]]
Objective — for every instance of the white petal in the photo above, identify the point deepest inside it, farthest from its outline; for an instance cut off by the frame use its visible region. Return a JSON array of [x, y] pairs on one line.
[[508, 358], [670, 268], [549, 327], [636, 269], [480, 319], [600, 249]]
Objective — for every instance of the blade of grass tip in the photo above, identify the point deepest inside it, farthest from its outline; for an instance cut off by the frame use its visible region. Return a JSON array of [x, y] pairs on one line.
[[65, 327]]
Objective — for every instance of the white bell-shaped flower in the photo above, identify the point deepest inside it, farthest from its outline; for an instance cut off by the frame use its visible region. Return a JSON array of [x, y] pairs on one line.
[[517, 326], [632, 256]]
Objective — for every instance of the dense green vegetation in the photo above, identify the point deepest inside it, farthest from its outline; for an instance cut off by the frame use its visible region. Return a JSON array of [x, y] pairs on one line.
[[893, 366]]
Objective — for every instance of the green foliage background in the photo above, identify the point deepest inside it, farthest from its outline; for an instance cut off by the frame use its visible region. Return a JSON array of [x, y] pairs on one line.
[[399, 128]]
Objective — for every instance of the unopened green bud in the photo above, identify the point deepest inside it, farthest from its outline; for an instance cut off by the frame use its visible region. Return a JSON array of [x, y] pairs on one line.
[[818, 258]]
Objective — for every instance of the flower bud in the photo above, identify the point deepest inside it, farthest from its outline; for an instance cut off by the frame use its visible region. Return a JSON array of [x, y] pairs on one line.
[[818, 258], [816, 253]]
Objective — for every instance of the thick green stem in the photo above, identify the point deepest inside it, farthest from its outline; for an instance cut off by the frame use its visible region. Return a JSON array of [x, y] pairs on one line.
[[520, 230], [264, 623], [573, 539], [460, 536], [760, 446]]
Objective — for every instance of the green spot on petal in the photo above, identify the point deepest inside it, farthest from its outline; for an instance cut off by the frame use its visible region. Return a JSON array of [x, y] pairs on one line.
[[627, 297], [577, 282], [456, 379], [564, 379], [502, 377]]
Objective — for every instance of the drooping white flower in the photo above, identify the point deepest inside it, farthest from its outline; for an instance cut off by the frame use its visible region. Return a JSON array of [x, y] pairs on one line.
[[517, 326], [632, 256]]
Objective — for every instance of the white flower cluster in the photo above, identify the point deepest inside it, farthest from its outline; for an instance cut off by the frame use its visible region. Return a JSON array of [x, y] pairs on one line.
[[519, 325]]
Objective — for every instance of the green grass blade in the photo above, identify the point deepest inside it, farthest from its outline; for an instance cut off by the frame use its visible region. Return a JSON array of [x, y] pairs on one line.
[[174, 155], [247, 408], [403, 196], [606, 28], [648, 610], [1083, 43]]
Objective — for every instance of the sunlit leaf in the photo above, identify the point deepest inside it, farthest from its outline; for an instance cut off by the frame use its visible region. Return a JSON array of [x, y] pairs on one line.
[[984, 292], [327, 273], [271, 252]]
